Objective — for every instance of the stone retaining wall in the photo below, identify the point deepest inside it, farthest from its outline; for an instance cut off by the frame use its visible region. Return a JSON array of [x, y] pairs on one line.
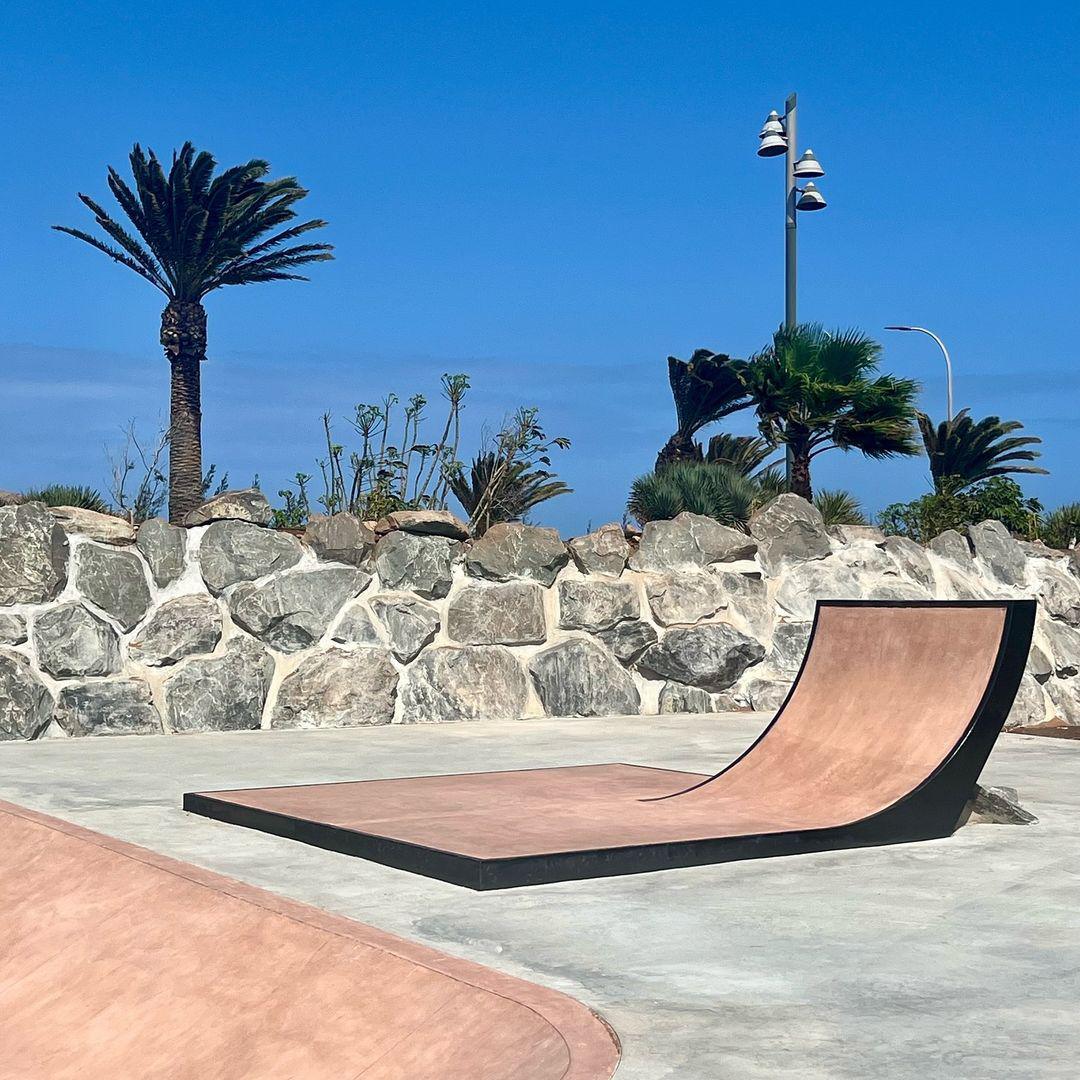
[[231, 625]]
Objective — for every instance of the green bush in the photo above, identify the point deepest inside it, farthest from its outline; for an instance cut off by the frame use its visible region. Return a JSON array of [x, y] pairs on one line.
[[1061, 527], [87, 498], [718, 491], [840, 508]]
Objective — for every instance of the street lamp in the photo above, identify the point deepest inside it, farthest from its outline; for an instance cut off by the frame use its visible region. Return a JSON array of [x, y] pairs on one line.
[[948, 362]]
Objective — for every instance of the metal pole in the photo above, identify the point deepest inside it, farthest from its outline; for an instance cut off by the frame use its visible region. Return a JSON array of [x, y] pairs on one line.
[[948, 363], [790, 260]]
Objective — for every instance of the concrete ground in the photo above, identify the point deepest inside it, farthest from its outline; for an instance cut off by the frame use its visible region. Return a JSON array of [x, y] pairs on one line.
[[955, 958]]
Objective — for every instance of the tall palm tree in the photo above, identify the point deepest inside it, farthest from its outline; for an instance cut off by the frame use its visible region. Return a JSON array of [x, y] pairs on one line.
[[705, 388], [963, 451], [199, 232], [519, 489], [817, 391]]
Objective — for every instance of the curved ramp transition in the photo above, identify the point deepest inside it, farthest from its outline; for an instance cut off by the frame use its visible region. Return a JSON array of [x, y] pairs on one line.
[[880, 741], [120, 964]]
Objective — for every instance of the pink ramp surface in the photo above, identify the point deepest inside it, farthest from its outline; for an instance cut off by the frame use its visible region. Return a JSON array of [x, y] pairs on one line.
[[120, 964]]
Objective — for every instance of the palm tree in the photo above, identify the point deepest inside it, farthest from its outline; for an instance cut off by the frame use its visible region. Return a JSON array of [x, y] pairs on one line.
[[963, 452], [816, 391], [839, 507], [705, 388], [518, 490], [746, 453], [199, 232]]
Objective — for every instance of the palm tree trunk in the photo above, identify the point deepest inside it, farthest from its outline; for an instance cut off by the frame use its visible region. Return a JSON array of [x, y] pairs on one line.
[[800, 473], [680, 447], [183, 335]]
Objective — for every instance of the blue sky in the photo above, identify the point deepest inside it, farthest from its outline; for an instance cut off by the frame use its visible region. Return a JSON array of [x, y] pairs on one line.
[[552, 198]]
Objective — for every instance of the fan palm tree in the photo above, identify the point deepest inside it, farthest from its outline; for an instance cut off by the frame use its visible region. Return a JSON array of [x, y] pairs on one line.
[[744, 453], [963, 452], [197, 232], [519, 489], [705, 388], [817, 391]]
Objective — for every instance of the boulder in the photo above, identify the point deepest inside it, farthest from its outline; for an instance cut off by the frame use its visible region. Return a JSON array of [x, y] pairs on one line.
[[603, 551], [596, 605], [1029, 705], [72, 642], [105, 528], [998, 551], [292, 611], [12, 629], [25, 704], [802, 585], [110, 707], [1058, 591], [408, 622], [628, 639], [789, 530], [114, 581], [676, 698], [340, 538], [510, 550], [998, 806], [1039, 666], [789, 643], [509, 614], [220, 693], [1064, 643], [33, 555], [749, 607], [233, 551], [911, 558], [420, 564], [466, 682], [248, 504], [425, 523], [867, 559], [952, 546], [766, 695], [186, 626], [689, 542], [850, 534], [338, 688], [579, 677], [712, 656], [1065, 701], [163, 547], [11, 498], [357, 627], [684, 599]]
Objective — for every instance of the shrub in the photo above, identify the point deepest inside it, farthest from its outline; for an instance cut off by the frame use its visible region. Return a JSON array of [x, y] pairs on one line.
[[840, 508], [718, 491], [997, 499], [79, 495], [1061, 527]]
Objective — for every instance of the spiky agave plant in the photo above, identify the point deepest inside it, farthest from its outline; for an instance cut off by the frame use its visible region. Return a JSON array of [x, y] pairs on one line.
[[718, 491], [194, 233], [86, 498], [840, 507]]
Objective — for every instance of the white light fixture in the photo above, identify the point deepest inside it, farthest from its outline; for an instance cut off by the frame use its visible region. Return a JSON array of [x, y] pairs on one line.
[[773, 125], [808, 166], [811, 199]]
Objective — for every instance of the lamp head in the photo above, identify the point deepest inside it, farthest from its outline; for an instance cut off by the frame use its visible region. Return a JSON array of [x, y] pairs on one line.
[[811, 199], [808, 166]]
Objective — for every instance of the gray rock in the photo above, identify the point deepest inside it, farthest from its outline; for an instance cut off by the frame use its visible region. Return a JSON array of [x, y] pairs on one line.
[[11, 498], [233, 551], [114, 581], [789, 530], [72, 642], [1065, 700], [892, 588], [802, 585], [111, 707], [998, 806], [340, 538], [409, 623], [292, 611], [1064, 643], [1059, 592], [998, 551], [579, 677], [182, 627], [1039, 666], [511, 550], [338, 688], [248, 504], [911, 558], [220, 693], [850, 534], [749, 607], [33, 555], [12, 629], [596, 605], [357, 627], [676, 698], [789, 643], [951, 545], [425, 523], [1029, 706], [105, 528], [684, 599], [629, 639], [712, 656], [25, 704], [689, 542], [510, 614], [867, 559], [420, 564], [766, 695], [603, 551], [163, 547], [467, 682]]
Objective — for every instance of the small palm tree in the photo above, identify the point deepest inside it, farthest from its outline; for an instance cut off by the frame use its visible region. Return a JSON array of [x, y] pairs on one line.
[[816, 391], [518, 489], [840, 507], [718, 491], [963, 452], [745, 453], [197, 232]]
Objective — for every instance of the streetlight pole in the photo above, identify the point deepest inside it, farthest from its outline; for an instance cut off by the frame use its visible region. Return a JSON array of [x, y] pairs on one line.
[[948, 363]]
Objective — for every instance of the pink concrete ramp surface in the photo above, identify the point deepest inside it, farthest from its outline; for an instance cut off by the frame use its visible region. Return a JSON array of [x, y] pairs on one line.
[[880, 741], [120, 964]]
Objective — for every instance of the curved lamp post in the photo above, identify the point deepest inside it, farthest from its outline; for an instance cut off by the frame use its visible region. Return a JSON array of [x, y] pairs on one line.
[[948, 362]]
